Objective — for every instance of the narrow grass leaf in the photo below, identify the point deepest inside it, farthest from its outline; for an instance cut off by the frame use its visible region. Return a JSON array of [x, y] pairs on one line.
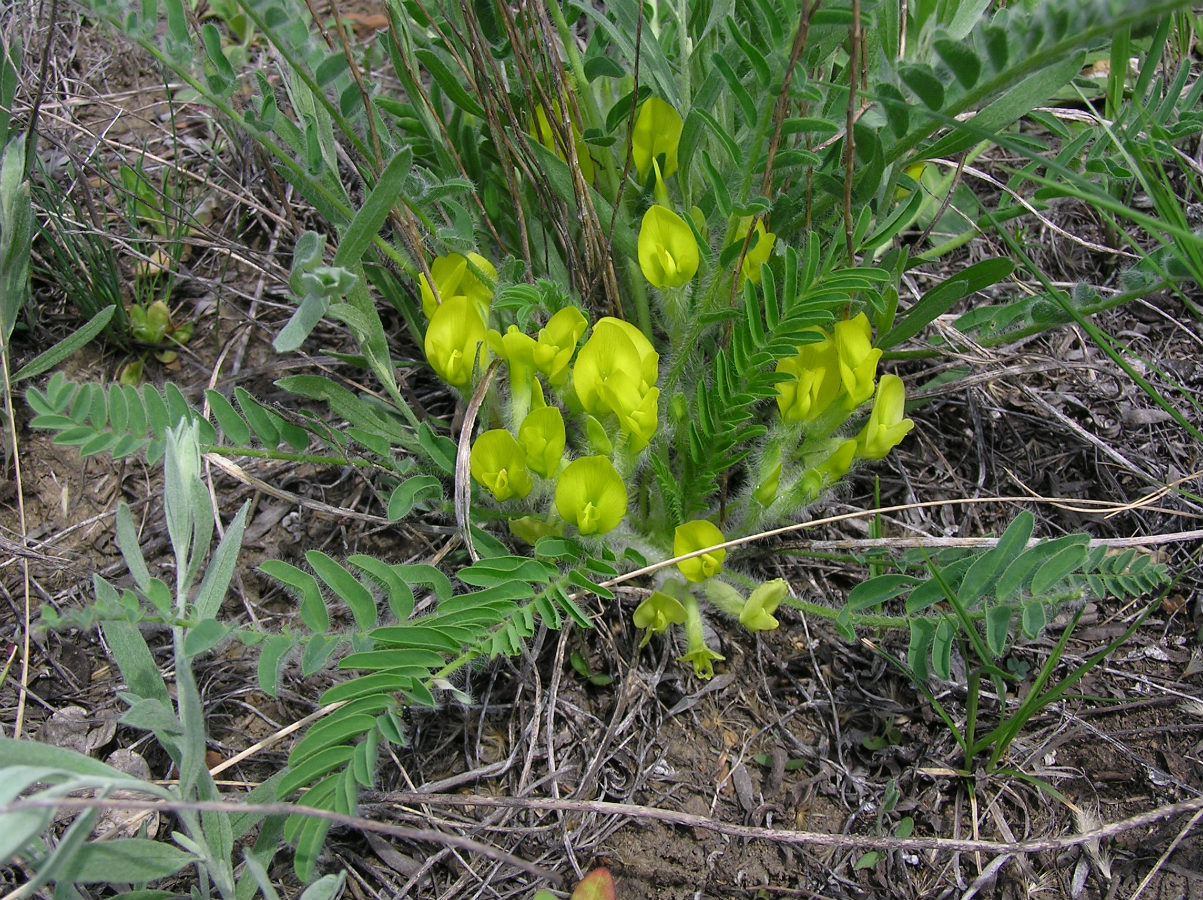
[[48, 359]]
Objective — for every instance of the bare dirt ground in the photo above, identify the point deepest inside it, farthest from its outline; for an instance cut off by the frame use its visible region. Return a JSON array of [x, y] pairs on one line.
[[800, 733]]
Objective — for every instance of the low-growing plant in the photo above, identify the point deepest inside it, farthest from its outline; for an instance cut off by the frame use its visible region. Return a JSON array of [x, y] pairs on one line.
[[75, 250], [175, 717], [973, 606], [658, 253]]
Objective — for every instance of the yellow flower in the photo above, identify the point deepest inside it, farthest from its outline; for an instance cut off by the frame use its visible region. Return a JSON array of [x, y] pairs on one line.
[[759, 251], [591, 495], [615, 372], [516, 348], [886, 426], [656, 613], [697, 535], [857, 358], [542, 438], [657, 131], [640, 423], [498, 462], [757, 614], [557, 342], [815, 383], [915, 172], [455, 341], [668, 251], [459, 276]]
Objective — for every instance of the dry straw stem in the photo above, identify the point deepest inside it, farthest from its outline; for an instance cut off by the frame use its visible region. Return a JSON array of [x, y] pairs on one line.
[[463, 452], [10, 427], [1092, 506], [628, 810], [323, 509], [1166, 855]]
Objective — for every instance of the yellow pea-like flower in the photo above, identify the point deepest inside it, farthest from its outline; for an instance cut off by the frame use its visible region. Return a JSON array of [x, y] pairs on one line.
[[657, 132], [591, 495], [456, 275], [886, 426], [668, 251], [545, 134], [757, 614], [759, 251], [815, 383], [857, 358], [616, 372], [498, 462], [697, 535], [657, 612], [455, 341], [542, 437], [557, 342], [697, 653]]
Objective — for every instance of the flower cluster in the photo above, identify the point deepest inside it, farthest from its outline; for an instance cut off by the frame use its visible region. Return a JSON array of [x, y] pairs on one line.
[[567, 436], [605, 387], [823, 386]]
